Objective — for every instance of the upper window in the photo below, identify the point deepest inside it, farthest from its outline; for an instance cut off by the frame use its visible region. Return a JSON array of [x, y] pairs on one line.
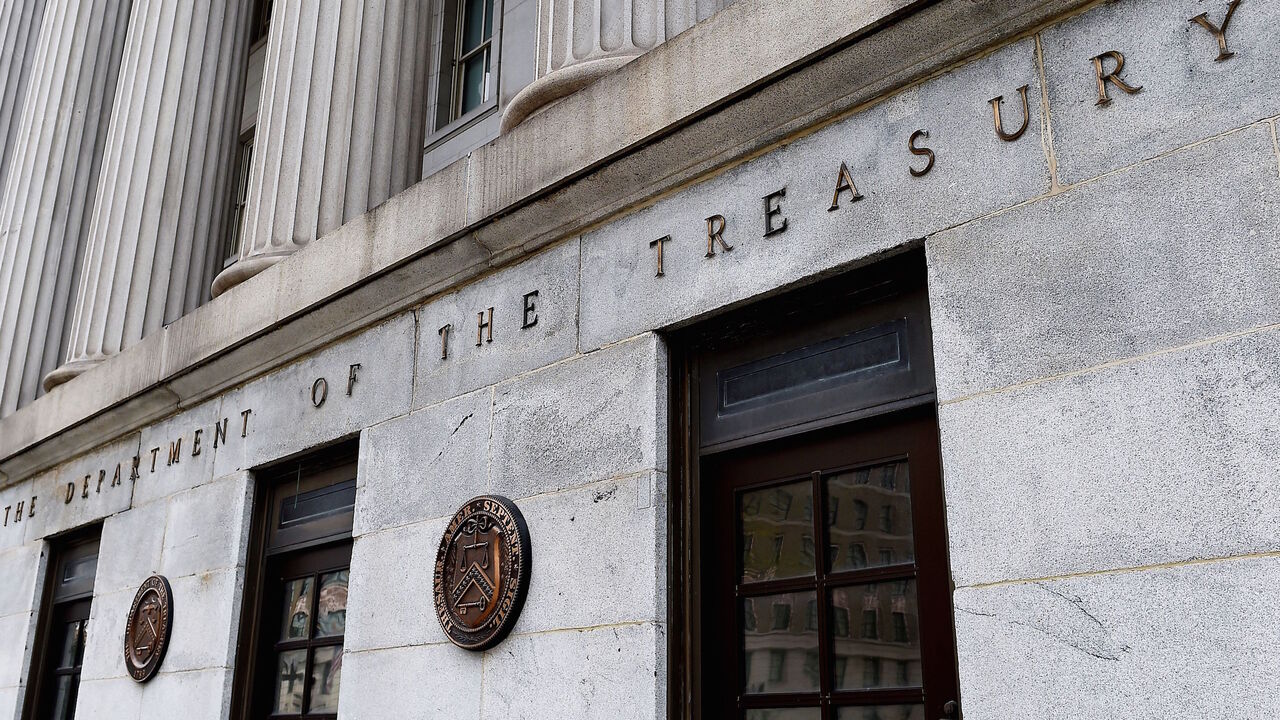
[[467, 60]]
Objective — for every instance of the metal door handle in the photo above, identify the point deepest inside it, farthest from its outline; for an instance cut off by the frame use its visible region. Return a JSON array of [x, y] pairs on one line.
[[951, 710]]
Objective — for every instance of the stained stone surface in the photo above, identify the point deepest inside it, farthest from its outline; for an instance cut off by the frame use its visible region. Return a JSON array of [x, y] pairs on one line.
[[1168, 253], [1186, 95], [1191, 641]]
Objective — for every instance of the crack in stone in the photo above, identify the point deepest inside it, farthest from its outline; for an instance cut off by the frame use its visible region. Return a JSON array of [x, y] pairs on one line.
[[445, 444]]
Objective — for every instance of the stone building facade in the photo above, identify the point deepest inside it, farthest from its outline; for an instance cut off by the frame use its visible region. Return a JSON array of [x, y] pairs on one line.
[[894, 360]]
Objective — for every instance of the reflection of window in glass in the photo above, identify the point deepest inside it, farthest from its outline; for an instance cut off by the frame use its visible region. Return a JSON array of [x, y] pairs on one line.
[[807, 548], [833, 555], [886, 518], [870, 631], [777, 548], [886, 556], [747, 541], [871, 672], [833, 510], [859, 515], [811, 667], [777, 662], [904, 673], [899, 627], [749, 614], [781, 616], [751, 505], [860, 477], [811, 616], [888, 477], [781, 503], [857, 555], [840, 619], [842, 666]]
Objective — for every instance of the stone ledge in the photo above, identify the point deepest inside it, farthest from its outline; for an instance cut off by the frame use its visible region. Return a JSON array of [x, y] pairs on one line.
[[569, 167]]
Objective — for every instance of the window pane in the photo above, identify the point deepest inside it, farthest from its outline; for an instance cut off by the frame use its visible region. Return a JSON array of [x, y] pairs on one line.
[[869, 514], [779, 523], [297, 609], [883, 649], [882, 712], [475, 80], [331, 615], [785, 714], [326, 676], [781, 652], [72, 644], [291, 674], [477, 23], [64, 700]]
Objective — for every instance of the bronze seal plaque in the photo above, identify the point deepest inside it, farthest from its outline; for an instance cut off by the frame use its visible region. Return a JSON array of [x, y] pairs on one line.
[[146, 633], [482, 572]]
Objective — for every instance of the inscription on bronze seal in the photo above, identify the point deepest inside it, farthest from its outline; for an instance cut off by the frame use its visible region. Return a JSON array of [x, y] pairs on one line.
[[146, 633], [482, 572]]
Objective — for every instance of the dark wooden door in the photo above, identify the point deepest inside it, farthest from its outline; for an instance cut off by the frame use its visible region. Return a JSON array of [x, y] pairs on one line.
[[826, 591]]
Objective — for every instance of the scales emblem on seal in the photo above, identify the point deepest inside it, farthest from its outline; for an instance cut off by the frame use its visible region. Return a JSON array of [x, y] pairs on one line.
[[482, 572], [146, 632]]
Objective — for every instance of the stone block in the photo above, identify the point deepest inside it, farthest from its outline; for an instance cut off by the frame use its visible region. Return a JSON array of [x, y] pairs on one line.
[[1186, 94], [22, 569], [608, 673], [424, 465], [130, 547], [446, 683], [206, 620], [284, 418], [390, 602], [610, 530], [17, 631], [84, 490], [11, 702], [1194, 641], [13, 527], [208, 527], [203, 695], [475, 361], [183, 449], [104, 643], [1163, 459], [1167, 253], [975, 173], [109, 698], [597, 416]]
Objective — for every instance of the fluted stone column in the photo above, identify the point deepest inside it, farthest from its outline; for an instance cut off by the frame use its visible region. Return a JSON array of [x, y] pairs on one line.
[[581, 41], [19, 31], [162, 200], [55, 150], [340, 124]]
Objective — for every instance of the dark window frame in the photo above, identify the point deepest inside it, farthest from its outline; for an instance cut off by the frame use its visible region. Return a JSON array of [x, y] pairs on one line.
[[790, 320], [450, 118], [319, 545], [61, 603]]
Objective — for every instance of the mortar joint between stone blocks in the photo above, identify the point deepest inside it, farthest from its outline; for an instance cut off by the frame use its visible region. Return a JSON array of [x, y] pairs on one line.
[[1172, 565]]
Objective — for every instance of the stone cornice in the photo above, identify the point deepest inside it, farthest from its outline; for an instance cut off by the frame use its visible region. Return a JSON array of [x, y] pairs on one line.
[[752, 76]]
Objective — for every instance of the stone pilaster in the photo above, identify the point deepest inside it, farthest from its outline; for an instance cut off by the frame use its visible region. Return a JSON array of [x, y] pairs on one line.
[[340, 125], [581, 41], [55, 147], [162, 200], [19, 31]]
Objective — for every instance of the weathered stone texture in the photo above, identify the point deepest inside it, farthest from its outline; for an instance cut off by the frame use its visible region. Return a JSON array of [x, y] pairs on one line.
[[598, 416], [446, 682], [1186, 95], [424, 465], [1191, 641], [513, 349], [1158, 460], [80, 491], [1168, 253], [284, 418], [389, 595]]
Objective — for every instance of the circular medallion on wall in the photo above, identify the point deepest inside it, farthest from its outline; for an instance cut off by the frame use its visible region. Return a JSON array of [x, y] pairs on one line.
[[146, 632], [482, 572]]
